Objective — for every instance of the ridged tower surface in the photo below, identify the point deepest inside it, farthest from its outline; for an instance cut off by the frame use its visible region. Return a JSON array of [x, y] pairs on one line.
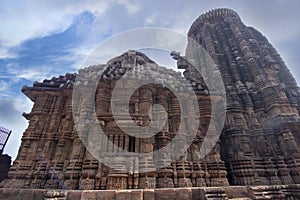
[[260, 140], [259, 144]]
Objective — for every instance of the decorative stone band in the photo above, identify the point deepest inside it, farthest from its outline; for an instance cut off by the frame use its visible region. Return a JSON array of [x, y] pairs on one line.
[[280, 192]]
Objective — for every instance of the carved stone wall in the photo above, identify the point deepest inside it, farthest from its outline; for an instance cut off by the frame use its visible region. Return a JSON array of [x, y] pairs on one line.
[[258, 145], [270, 192], [52, 154], [259, 142]]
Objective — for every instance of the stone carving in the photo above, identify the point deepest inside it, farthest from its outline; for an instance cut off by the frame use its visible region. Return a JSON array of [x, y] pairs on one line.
[[258, 86], [259, 144]]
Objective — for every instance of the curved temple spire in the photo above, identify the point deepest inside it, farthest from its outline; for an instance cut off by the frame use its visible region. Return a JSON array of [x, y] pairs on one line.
[[211, 16]]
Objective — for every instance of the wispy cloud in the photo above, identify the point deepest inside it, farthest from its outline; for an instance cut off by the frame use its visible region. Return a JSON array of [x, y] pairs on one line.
[[5, 53], [30, 19], [11, 109], [131, 7], [3, 86], [32, 74]]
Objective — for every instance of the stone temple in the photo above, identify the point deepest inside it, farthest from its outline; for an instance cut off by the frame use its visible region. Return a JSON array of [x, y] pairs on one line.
[[258, 150]]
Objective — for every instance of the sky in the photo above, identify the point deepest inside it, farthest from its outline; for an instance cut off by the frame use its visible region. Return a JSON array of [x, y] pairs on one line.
[[42, 39]]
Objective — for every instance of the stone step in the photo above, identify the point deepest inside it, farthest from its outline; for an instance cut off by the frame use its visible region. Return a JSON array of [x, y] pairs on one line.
[[266, 192]]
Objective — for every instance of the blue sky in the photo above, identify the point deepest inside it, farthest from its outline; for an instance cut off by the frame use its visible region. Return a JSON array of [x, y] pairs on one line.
[[41, 39]]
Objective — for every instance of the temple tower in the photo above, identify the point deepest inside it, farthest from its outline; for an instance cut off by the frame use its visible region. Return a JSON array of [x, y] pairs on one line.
[[259, 138], [259, 144]]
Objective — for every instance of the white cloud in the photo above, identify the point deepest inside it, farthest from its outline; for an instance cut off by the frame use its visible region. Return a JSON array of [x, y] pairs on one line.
[[77, 55], [30, 19], [22, 103], [6, 85], [131, 7], [4, 53], [33, 74], [3, 86], [11, 118]]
